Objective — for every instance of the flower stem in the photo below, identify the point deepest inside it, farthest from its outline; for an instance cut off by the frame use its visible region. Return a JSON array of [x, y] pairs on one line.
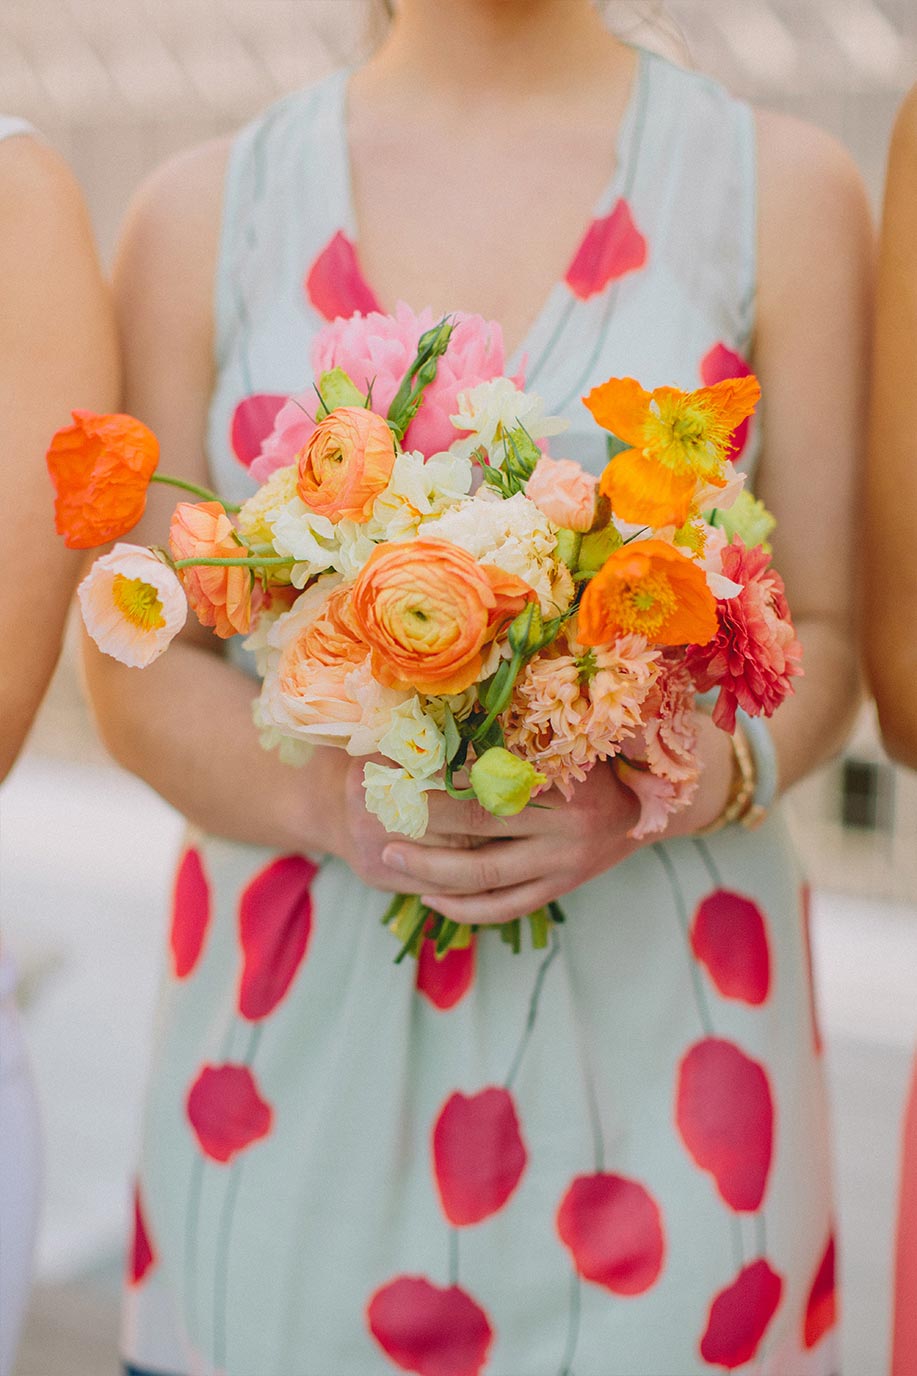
[[254, 562], [204, 492]]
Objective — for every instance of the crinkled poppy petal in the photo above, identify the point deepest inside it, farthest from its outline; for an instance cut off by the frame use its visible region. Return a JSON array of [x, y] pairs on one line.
[[142, 1256], [613, 1229], [717, 365], [226, 1110], [478, 1154], [446, 980], [335, 284], [821, 1308], [645, 492], [612, 247], [725, 1115], [428, 1330], [739, 1316], [252, 422], [622, 406], [729, 937], [190, 913], [275, 923]]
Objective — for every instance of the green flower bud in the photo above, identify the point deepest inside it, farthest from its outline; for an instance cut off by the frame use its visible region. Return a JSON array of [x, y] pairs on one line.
[[337, 389], [749, 519], [502, 782], [526, 633], [598, 546]]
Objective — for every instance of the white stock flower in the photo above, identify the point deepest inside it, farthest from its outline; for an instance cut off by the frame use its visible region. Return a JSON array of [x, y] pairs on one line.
[[417, 490], [309, 539], [257, 515], [398, 799], [514, 535], [414, 741], [492, 409]]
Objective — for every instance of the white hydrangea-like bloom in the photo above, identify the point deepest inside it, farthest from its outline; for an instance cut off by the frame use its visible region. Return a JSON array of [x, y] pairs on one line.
[[417, 490], [306, 537], [514, 535], [492, 409], [398, 799], [414, 741]]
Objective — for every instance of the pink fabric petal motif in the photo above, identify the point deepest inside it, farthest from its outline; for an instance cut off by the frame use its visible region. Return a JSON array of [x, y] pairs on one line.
[[428, 1330], [613, 1229], [729, 937], [252, 422], [821, 1309], [142, 1255], [718, 365], [335, 284], [478, 1154], [725, 1115], [612, 247], [226, 1111], [275, 924], [190, 913], [739, 1316], [446, 981]]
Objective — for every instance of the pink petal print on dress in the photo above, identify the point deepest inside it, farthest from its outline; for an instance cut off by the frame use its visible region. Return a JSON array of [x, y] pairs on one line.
[[718, 365], [613, 1229], [190, 913], [335, 284], [275, 923], [252, 422], [612, 247], [821, 1309], [226, 1111], [739, 1316], [142, 1255], [445, 981], [729, 937], [428, 1330], [725, 1115], [478, 1154]]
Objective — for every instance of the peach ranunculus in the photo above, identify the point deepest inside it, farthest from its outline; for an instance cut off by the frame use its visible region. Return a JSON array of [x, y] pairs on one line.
[[220, 595], [679, 439], [345, 464], [101, 467], [565, 492], [648, 588], [428, 610], [132, 605]]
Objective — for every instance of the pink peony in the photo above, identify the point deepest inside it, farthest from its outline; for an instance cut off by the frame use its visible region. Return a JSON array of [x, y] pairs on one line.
[[755, 652], [377, 350], [565, 492]]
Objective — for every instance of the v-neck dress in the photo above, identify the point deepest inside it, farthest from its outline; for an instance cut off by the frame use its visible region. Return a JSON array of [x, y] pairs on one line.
[[604, 1159]]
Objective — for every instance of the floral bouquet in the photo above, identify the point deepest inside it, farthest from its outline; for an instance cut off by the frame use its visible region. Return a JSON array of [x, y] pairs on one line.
[[425, 587]]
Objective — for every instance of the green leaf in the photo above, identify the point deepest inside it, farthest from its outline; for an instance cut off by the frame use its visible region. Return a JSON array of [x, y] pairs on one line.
[[336, 389], [451, 733], [615, 446]]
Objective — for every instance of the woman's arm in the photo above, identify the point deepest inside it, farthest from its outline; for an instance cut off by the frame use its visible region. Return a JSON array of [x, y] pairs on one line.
[[890, 621], [57, 351]]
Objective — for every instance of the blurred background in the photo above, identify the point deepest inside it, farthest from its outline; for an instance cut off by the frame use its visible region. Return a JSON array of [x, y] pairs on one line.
[[86, 851]]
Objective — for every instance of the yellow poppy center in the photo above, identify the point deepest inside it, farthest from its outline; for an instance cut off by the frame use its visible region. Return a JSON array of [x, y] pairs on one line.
[[138, 602], [687, 437], [641, 606]]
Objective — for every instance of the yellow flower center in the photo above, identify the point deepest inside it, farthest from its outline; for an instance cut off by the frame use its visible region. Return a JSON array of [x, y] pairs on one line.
[[693, 536], [687, 437], [642, 606], [138, 602]]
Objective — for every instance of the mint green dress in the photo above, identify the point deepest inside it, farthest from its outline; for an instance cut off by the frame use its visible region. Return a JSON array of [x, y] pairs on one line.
[[606, 1159]]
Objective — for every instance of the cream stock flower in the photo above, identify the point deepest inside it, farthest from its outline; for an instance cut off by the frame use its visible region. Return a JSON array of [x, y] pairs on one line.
[[418, 490], [493, 409], [257, 515], [133, 605], [398, 799], [414, 741]]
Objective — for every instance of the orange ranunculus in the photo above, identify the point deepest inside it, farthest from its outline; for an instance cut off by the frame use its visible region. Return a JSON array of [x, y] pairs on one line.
[[346, 463], [428, 610], [678, 439], [220, 595], [648, 588], [101, 468]]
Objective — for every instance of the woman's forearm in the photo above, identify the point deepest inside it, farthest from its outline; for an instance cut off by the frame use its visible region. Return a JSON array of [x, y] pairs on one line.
[[184, 725]]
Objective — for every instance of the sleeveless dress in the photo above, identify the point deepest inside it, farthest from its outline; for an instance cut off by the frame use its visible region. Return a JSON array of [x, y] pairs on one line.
[[20, 1137], [608, 1158]]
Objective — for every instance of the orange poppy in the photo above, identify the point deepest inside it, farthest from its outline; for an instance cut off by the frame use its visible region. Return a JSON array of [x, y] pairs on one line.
[[648, 588], [677, 439], [101, 467]]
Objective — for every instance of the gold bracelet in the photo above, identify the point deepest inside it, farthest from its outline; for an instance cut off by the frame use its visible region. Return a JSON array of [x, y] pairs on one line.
[[740, 800]]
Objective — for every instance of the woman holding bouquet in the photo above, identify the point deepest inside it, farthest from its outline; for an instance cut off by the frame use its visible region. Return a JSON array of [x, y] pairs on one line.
[[51, 296], [891, 607], [609, 1157]]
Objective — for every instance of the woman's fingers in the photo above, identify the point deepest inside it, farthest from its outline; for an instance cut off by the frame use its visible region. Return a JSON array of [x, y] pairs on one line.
[[492, 865], [493, 909], [466, 817]]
